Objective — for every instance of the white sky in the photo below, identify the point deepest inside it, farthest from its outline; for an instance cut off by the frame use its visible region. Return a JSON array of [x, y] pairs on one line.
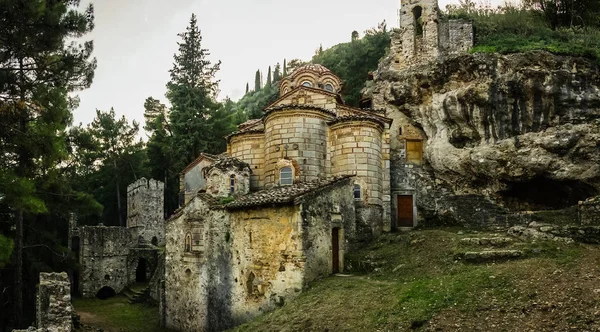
[[134, 42]]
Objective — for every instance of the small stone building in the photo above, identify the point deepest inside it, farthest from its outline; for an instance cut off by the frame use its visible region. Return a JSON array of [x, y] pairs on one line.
[[295, 190], [112, 257]]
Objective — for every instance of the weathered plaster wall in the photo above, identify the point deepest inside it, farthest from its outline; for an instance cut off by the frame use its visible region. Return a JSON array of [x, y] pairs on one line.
[[194, 179], [321, 212], [145, 210], [300, 135], [268, 261]]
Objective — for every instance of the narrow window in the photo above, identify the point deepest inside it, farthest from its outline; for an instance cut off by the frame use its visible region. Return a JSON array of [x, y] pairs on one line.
[[188, 243], [285, 176], [417, 12], [232, 184], [357, 192], [329, 87]]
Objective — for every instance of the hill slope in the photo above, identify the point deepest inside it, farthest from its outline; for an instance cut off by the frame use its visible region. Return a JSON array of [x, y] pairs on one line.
[[420, 280]]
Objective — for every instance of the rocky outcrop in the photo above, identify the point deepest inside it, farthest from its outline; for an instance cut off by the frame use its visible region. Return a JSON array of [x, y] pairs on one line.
[[521, 131]]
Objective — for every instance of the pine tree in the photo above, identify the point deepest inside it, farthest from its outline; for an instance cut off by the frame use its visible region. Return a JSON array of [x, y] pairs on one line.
[[284, 68], [247, 87], [192, 93], [39, 69], [257, 81], [269, 77]]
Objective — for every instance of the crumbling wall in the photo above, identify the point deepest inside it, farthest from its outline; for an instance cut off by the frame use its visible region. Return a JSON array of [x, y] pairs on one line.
[[103, 257], [53, 304], [321, 212], [145, 211], [589, 211]]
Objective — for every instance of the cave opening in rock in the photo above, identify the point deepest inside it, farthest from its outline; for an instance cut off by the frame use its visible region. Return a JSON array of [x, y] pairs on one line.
[[545, 194], [105, 292]]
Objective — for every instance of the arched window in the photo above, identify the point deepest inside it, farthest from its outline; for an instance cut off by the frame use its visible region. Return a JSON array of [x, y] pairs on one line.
[[307, 83], [188, 242], [329, 87], [357, 193], [417, 12], [232, 184], [285, 176]]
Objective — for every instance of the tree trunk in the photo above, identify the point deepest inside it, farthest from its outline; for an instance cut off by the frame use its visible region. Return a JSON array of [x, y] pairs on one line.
[[19, 270]]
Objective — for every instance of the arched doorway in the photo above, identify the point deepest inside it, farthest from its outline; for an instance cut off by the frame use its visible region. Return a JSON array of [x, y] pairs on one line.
[[105, 292], [141, 274]]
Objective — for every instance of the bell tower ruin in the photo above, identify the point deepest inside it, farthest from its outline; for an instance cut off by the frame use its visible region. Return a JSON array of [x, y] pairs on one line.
[[145, 211]]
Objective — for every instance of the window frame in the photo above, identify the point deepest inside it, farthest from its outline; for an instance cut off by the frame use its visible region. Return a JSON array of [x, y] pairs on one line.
[[232, 184], [329, 85], [304, 83], [357, 189], [291, 176]]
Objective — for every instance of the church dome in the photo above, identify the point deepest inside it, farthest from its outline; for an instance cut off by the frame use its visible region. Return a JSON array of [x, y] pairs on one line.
[[311, 76]]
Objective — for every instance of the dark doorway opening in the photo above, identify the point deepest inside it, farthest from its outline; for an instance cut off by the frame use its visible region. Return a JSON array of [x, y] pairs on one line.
[[140, 271], [105, 292], [335, 250], [154, 241], [405, 211], [75, 244]]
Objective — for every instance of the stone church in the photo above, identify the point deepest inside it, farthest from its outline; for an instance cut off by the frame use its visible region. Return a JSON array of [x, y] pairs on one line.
[[295, 190]]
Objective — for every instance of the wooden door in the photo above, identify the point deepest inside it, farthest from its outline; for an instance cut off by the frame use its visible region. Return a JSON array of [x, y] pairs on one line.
[[335, 250], [414, 152], [405, 211]]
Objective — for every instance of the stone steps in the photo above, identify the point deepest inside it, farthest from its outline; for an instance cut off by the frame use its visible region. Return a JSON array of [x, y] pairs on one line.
[[487, 256], [487, 241], [136, 294]]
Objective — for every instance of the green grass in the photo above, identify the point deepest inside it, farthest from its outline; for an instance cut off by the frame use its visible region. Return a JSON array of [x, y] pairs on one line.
[[406, 281], [117, 314]]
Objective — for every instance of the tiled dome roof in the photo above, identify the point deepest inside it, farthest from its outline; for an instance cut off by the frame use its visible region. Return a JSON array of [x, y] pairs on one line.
[[320, 69]]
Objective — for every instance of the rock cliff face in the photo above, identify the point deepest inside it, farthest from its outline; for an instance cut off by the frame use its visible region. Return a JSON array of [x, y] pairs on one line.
[[512, 132]]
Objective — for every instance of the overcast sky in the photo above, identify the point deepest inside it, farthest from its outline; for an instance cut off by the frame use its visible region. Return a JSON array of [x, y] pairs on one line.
[[134, 42]]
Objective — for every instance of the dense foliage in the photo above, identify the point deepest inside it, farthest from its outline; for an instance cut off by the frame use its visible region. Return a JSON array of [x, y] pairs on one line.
[[353, 61], [533, 26]]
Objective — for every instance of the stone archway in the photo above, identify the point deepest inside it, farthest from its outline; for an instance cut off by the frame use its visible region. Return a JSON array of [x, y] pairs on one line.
[[105, 292]]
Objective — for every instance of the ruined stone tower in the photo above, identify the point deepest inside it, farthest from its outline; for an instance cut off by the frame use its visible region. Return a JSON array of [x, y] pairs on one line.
[[145, 211], [425, 36]]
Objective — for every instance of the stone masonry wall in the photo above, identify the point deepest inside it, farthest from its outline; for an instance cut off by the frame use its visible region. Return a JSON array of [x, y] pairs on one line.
[[418, 48], [456, 37], [53, 303], [356, 149], [218, 182], [145, 210], [589, 211], [251, 149], [103, 258], [302, 136]]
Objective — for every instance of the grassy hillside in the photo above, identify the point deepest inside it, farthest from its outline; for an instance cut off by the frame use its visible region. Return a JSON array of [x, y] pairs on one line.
[[419, 281]]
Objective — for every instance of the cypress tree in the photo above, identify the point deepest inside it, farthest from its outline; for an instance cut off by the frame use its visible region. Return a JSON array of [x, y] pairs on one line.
[[247, 87], [269, 77], [284, 68], [257, 81], [277, 73]]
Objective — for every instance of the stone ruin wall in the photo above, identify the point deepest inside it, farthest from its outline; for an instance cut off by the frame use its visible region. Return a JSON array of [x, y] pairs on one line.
[[252, 260], [53, 304], [145, 210], [589, 212], [103, 258]]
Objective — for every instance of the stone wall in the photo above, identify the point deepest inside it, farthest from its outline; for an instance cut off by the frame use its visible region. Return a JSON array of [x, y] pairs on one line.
[[419, 46], [589, 211], [300, 135], [103, 258], [456, 37], [356, 148], [219, 181], [145, 210], [251, 149], [321, 212], [53, 302]]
